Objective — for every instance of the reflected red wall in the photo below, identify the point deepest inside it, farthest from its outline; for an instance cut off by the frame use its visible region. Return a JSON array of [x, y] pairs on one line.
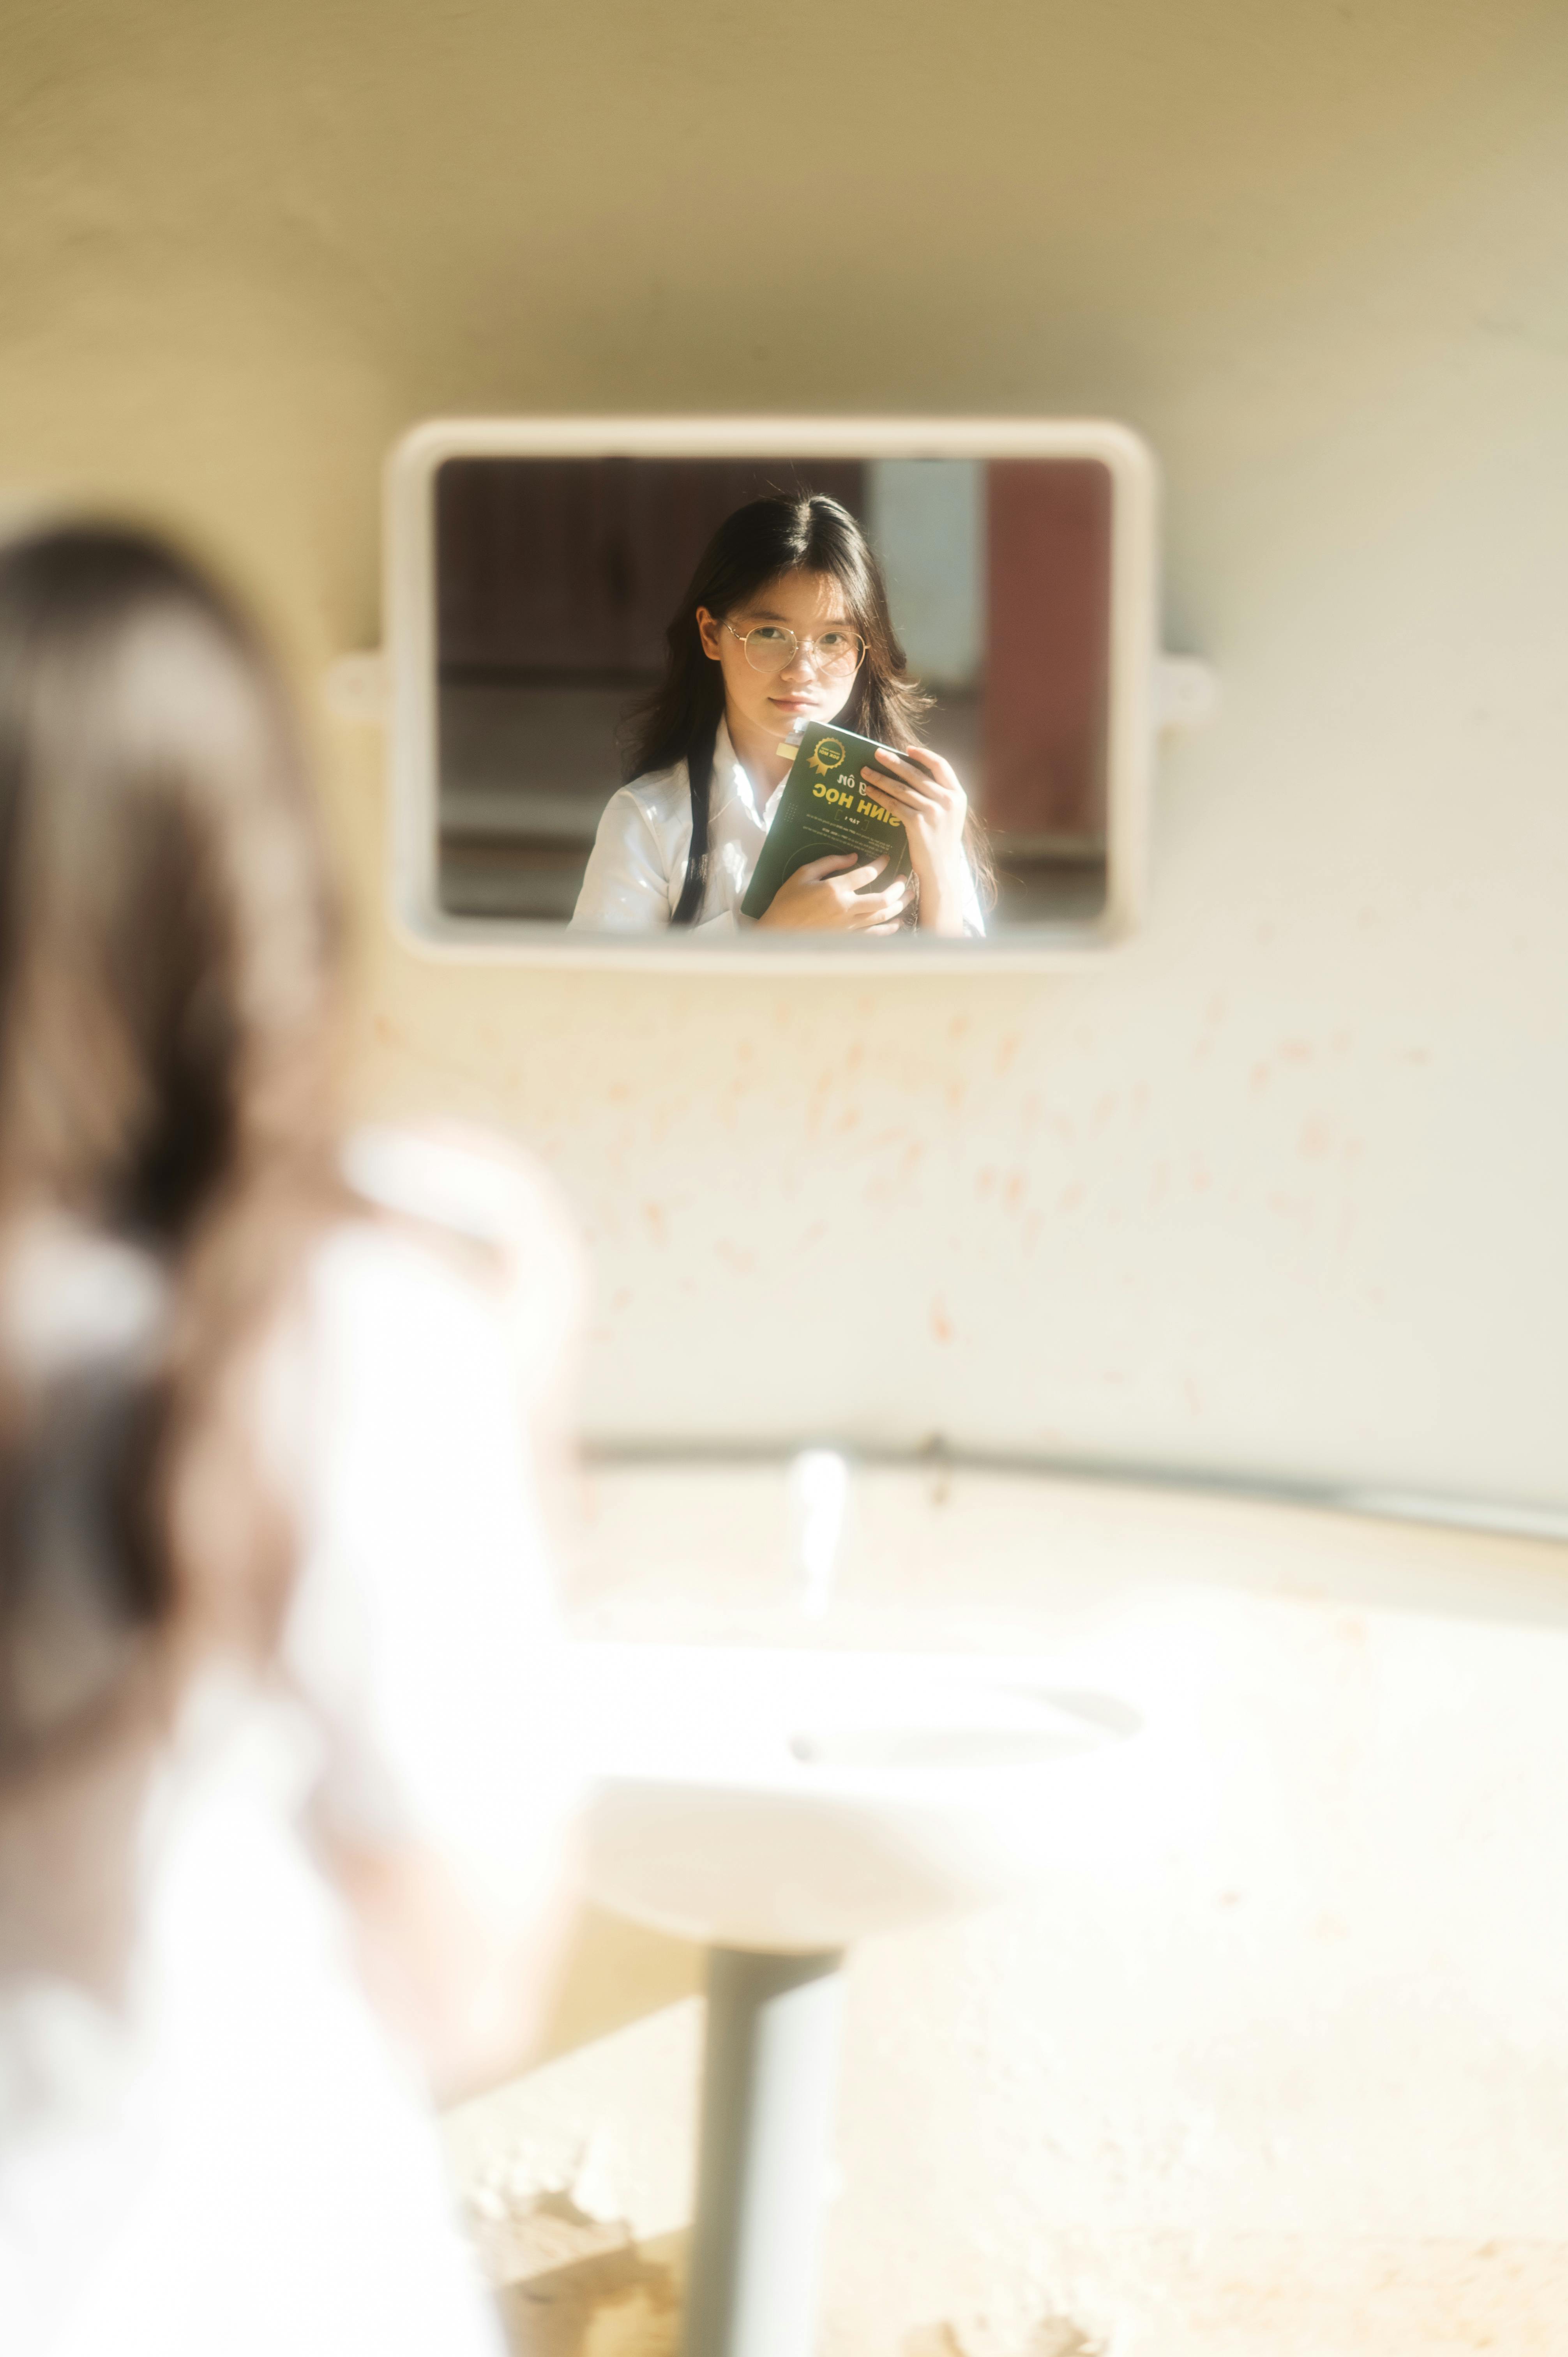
[[1047, 647]]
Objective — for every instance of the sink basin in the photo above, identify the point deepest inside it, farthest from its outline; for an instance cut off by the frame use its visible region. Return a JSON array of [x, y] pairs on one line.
[[777, 1802], [792, 1800]]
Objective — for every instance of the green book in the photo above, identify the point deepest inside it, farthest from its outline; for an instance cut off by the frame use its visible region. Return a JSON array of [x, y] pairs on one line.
[[825, 808]]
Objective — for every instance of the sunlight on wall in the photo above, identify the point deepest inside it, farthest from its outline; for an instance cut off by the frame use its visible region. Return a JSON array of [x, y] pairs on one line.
[[1282, 1187], [1236, 1200]]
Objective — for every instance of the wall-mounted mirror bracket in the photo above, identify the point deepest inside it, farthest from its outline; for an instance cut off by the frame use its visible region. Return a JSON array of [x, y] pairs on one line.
[[1187, 693]]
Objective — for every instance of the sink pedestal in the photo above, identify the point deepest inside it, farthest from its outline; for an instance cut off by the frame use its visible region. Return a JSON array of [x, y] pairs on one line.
[[771, 2069], [777, 1802]]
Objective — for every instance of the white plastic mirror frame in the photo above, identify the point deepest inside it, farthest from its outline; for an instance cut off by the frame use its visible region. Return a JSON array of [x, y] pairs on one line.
[[411, 706]]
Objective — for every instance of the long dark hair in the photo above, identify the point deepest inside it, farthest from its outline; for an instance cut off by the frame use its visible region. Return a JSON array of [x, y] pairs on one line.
[[760, 541], [169, 955]]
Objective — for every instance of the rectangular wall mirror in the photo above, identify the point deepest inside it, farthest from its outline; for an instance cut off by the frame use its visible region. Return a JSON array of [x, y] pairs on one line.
[[535, 566]]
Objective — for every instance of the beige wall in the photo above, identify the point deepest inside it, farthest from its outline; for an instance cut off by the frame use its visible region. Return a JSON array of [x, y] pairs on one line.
[[1283, 1188]]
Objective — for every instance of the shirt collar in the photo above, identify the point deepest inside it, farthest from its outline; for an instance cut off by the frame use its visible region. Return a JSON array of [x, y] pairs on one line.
[[731, 782]]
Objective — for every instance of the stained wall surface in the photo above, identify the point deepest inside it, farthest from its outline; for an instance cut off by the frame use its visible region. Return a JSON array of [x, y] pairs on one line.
[[1282, 1188]]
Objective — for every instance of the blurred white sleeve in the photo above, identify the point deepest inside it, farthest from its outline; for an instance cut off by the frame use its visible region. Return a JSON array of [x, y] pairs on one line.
[[423, 1634]]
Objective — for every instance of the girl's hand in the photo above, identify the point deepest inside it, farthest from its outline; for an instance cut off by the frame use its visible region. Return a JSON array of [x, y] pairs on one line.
[[924, 791], [825, 896]]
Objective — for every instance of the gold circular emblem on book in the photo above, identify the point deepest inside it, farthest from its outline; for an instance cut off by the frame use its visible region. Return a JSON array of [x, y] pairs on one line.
[[828, 755]]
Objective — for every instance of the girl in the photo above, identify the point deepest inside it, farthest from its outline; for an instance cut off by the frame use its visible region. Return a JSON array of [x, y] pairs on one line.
[[785, 620], [280, 1709]]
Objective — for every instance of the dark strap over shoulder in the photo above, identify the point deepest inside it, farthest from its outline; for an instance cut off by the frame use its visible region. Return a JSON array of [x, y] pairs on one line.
[[700, 769]]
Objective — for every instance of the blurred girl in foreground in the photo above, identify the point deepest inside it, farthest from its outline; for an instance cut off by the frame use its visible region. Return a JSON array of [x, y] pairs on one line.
[[278, 1721]]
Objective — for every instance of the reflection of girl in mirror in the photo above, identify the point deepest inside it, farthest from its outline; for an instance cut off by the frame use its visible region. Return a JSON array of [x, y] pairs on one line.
[[785, 622]]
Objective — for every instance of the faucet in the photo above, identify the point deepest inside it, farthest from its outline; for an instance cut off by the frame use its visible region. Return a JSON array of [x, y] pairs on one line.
[[818, 1492]]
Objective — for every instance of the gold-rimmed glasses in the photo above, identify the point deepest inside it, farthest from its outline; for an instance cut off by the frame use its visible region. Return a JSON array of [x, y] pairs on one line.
[[770, 648]]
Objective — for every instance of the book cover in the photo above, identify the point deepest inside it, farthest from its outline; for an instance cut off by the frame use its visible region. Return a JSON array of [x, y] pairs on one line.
[[825, 808]]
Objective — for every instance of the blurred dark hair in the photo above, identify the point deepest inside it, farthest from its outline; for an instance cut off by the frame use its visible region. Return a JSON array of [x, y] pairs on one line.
[[168, 951], [679, 722]]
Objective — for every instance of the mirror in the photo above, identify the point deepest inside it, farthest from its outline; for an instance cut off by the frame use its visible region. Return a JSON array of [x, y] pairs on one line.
[[535, 569]]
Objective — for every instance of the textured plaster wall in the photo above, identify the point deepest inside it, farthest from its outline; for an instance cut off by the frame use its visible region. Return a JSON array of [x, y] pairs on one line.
[[1283, 1188]]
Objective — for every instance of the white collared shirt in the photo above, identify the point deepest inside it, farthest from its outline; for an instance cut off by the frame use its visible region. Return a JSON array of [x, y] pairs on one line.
[[637, 868]]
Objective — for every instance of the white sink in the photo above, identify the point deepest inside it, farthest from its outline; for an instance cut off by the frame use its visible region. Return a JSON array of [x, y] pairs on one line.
[[790, 1799]]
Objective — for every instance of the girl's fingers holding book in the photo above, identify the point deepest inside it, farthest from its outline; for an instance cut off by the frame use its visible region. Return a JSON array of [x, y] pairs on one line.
[[896, 797], [831, 868], [920, 786], [823, 893], [927, 766], [870, 909], [926, 773]]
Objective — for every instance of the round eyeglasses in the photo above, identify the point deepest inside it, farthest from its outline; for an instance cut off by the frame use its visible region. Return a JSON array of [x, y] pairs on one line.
[[770, 648]]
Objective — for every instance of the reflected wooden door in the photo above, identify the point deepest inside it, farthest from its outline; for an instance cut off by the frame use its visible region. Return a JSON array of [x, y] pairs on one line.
[[570, 569]]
